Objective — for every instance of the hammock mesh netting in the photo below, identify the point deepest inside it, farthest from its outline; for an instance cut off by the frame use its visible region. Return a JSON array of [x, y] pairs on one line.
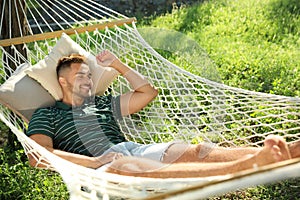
[[188, 108]]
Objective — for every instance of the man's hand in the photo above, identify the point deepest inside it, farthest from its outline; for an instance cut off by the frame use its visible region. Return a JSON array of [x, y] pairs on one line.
[[143, 92], [106, 58], [107, 158]]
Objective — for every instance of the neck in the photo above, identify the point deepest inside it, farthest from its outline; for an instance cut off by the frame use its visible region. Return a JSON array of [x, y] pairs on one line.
[[74, 100]]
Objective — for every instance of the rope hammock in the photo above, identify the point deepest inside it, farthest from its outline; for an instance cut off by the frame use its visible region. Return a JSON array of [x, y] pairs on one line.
[[188, 108]]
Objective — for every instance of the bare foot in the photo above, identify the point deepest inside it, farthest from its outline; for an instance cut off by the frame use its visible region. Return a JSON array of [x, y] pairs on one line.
[[275, 150], [295, 149]]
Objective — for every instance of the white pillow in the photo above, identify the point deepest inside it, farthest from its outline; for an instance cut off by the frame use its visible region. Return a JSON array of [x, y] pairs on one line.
[[45, 70], [24, 95]]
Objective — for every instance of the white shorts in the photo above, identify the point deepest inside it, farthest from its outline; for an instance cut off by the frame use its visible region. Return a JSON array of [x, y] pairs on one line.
[[155, 151]]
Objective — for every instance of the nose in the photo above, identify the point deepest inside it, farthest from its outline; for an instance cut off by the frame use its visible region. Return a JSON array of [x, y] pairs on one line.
[[87, 81]]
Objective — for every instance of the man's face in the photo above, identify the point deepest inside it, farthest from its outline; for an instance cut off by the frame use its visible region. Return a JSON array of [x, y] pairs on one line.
[[79, 80]]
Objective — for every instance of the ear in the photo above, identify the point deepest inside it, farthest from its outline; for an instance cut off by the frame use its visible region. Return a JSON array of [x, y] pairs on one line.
[[62, 81]]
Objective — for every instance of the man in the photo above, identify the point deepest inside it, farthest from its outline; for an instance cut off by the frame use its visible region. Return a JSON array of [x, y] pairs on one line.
[[83, 129]]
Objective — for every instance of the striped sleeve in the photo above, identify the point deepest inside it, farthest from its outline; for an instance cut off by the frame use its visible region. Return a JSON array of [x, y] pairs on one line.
[[40, 123], [116, 107]]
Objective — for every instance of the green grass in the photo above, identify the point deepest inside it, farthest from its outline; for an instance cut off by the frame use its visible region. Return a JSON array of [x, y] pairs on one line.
[[255, 46], [19, 181]]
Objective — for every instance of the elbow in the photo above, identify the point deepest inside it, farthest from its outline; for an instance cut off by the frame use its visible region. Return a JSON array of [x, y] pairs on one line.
[[32, 161], [152, 94], [155, 92], [36, 162]]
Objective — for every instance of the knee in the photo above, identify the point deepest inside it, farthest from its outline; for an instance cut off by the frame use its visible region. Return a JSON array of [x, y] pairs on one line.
[[203, 150]]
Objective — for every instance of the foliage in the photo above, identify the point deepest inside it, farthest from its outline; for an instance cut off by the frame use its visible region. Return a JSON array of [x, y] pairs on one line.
[[255, 45], [20, 181], [281, 190]]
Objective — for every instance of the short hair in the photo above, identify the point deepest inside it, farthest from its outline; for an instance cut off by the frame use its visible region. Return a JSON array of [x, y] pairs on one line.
[[66, 61]]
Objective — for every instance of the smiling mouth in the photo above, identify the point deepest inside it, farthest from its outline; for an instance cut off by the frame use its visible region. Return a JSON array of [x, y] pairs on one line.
[[86, 87]]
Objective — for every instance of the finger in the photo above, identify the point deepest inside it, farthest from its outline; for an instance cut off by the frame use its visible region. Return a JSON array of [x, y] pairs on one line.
[[98, 58], [101, 55], [117, 156]]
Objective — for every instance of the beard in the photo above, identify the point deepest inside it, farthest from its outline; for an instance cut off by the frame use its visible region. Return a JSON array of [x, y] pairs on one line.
[[82, 91]]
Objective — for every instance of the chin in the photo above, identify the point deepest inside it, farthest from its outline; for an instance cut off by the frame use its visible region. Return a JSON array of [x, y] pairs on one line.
[[86, 94]]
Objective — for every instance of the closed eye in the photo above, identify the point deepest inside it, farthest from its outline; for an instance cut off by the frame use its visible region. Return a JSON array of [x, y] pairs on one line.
[[81, 75]]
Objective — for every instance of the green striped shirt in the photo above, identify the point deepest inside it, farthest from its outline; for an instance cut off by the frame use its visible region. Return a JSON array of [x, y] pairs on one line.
[[89, 129]]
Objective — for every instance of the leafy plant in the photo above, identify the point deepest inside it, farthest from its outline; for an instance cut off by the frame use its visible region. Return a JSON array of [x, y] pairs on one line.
[[20, 181], [255, 45]]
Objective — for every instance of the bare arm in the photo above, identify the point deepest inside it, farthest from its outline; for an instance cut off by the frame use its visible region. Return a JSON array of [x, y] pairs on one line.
[[86, 161], [143, 92]]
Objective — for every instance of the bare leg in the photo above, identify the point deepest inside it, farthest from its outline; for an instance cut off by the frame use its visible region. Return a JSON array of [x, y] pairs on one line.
[[275, 150], [181, 152]]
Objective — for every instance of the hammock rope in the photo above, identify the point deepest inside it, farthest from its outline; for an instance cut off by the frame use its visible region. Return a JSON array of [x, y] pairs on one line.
[[189, 108]]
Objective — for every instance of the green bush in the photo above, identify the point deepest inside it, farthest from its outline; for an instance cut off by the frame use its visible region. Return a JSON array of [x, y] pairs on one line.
[[20, 181], [255, 44]]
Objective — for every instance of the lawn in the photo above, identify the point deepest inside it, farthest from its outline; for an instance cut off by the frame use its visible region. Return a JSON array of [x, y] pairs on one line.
[[254, 45]]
